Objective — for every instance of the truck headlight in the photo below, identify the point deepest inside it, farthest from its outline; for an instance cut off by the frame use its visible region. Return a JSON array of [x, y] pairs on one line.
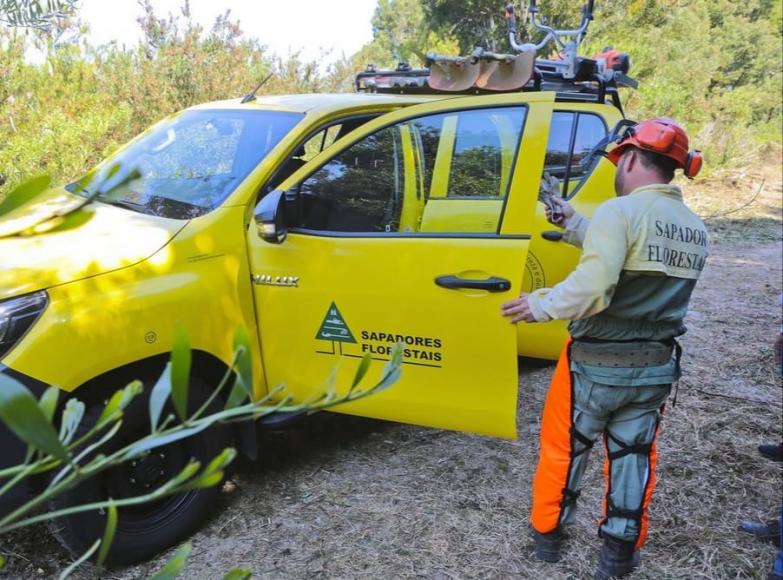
[[17, 316]]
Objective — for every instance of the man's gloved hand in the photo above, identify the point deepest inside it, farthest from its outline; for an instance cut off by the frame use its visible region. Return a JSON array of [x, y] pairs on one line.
[[558, 210], [550, 187]]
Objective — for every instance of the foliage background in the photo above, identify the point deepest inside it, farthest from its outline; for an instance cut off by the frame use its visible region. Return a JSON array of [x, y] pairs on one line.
[[715, 65]]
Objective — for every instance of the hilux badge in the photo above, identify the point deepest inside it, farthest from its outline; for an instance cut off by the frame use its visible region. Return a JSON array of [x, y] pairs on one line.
[[269, 280]]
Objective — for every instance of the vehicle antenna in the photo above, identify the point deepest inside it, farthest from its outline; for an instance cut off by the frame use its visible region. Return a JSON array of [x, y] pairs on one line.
[[251, 96]]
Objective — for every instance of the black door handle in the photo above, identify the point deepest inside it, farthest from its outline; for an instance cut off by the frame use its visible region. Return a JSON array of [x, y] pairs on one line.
[[552, 235], [491, 284]]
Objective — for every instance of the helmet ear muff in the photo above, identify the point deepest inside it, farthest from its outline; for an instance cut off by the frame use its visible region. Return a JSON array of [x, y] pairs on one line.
[[693, 163]]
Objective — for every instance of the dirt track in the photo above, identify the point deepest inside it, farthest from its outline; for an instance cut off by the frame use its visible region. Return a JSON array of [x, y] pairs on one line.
[[342, 497]]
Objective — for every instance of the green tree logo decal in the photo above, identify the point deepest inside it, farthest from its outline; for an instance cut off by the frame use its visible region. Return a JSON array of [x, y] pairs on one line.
[[334, 327]]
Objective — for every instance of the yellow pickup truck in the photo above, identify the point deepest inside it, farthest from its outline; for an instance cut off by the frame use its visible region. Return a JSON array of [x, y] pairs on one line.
[[330, 226]]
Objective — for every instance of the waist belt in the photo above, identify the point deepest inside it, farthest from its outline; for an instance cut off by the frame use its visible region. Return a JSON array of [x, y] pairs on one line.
[[645, 354]]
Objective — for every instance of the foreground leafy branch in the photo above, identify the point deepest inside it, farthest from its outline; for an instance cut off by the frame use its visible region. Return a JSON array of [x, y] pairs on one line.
[[76, 452], [19, 223]]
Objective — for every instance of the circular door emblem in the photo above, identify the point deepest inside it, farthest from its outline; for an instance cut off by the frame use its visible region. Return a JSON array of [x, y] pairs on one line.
[[150, 337], [534, 274]]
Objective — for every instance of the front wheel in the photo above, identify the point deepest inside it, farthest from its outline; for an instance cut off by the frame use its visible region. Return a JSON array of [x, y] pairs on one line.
[[146, 529]]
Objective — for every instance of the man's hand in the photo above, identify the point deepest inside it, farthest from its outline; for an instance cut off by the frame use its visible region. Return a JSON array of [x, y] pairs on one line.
[[518, 309], [558, 211], [550, 186]]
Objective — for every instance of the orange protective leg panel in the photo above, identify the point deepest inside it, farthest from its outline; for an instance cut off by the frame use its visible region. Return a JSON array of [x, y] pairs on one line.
[[554, 461], [648, 490], [576, 412]]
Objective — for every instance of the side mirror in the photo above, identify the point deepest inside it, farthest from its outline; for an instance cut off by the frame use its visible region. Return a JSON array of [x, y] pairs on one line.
[[270, 217]]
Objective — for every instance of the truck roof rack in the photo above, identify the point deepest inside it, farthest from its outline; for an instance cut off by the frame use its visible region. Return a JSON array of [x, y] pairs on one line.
[[573, 78], [415, 81]]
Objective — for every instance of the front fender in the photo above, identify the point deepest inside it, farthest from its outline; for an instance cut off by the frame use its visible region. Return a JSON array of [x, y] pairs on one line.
[[200, 281]]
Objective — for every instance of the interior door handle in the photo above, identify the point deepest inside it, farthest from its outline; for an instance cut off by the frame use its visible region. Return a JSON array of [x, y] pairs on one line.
[[552, 235], [491, 284]]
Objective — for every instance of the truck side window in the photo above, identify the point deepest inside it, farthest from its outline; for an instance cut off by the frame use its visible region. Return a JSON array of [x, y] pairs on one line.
[[448, 172], [477, 164], [558, 149], [468, 159], [316, 143], [571, 137], [304, 153], [319, 142], [589, 130], [359, 190]]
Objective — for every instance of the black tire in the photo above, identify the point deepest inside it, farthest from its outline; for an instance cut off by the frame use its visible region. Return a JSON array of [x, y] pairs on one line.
[[142, 531]]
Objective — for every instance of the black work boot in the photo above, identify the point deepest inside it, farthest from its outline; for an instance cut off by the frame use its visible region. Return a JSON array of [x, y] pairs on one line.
[[548, 545], [767, 532], [618, 558], [770, 451]]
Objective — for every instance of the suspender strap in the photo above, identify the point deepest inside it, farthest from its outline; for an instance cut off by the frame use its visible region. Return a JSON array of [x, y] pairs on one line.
[[570, 496], [614, 512], [588, 444], [639, 448], [643, 449]]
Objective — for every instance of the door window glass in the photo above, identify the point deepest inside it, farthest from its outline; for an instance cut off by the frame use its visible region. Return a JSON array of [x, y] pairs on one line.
[[571, 137], [558, 149], [589, 131], [478, 168], [304, 153], [441, 173], [314, 145], [319, 142], [359, 190]]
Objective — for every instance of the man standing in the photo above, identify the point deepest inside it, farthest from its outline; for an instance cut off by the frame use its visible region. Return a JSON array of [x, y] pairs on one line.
[[642, 255]]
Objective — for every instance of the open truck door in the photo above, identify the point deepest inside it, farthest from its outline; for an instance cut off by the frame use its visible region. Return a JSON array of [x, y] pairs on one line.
[[344, 263]]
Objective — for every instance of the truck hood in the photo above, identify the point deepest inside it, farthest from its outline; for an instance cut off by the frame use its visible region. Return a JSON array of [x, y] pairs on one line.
[[112, 239]]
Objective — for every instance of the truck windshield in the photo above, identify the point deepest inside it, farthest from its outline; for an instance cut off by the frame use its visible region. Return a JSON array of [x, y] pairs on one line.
[[187, 165]]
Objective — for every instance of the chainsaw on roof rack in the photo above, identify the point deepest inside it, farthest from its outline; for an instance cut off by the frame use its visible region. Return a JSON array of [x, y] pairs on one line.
[[572, 76], [610, 64]]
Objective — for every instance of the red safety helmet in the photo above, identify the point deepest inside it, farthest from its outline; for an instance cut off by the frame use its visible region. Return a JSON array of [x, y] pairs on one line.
[[663, 136]]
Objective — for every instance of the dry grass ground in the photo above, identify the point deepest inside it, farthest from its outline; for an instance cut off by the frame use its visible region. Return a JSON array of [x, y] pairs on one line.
[[342, 497]]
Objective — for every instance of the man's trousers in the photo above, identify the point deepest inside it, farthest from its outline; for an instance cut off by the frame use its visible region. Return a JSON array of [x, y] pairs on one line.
[[577, 412]]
